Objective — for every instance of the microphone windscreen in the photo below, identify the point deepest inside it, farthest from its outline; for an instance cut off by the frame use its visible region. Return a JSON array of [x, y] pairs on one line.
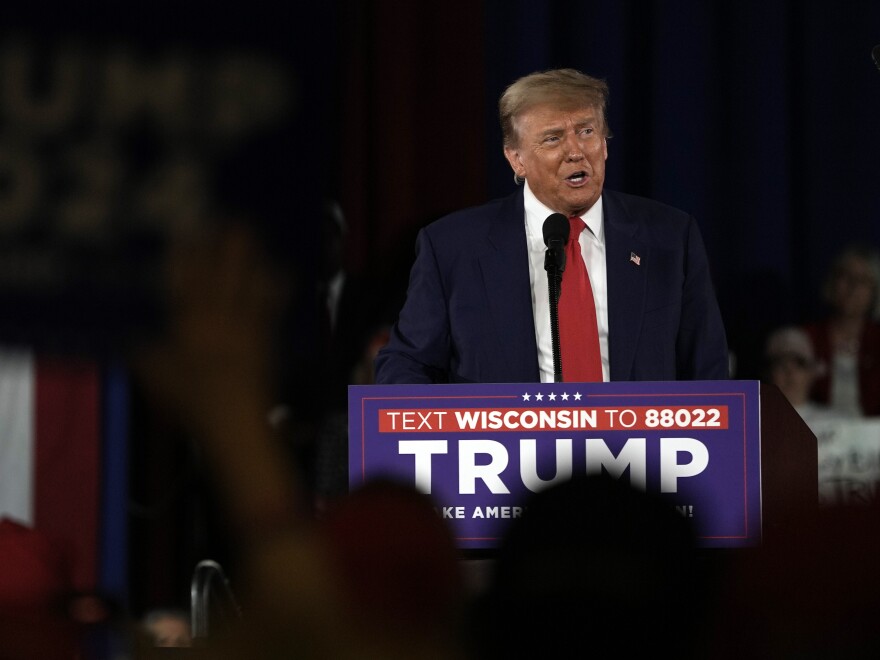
[[875, 53], [556, 228]]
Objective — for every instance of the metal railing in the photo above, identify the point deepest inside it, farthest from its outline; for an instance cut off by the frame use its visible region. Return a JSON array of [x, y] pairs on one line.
[[208, 575]]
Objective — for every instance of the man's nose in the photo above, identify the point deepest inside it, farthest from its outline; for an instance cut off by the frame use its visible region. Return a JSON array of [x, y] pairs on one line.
[[573, 149]]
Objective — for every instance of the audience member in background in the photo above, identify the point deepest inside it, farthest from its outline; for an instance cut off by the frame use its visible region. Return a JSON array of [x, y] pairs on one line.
[[848, 338], [791, 365], [357, 307], [331, 455], [168, 628]]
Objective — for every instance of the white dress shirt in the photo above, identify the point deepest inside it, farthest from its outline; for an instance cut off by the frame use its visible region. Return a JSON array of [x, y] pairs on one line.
[[592, 242]]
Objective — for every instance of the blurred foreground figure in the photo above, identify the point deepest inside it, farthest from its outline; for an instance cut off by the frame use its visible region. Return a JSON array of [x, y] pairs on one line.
[[168, 628], [397, 560], [593, 567], [212, 373], [35, 588]]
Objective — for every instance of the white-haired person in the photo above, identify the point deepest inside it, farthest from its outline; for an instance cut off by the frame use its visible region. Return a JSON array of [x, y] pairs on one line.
[[790, 363]]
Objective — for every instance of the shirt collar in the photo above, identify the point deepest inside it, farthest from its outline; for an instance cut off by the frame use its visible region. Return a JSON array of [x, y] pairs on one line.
[[537, 212]]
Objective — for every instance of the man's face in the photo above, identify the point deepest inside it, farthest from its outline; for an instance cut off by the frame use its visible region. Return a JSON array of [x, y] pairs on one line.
[[562, 155]]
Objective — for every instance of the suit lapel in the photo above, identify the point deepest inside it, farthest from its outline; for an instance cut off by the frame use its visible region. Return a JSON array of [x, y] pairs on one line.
[[626, 284], [505, 277]]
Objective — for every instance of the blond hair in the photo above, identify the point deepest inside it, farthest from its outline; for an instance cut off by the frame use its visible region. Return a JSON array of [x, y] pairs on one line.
[[565, 88]]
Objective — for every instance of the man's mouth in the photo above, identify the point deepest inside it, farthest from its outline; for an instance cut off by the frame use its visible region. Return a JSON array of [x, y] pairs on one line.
[[577, 177]]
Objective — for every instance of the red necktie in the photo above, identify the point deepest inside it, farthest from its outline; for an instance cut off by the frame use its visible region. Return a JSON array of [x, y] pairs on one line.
[[578, 331]]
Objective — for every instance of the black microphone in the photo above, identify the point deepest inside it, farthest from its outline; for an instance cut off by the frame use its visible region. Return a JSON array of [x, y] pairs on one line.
[[875, 53], [556, 230]]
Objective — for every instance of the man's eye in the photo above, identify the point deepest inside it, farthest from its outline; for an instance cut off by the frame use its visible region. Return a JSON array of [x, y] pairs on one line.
[[551, 139], [588, 131]]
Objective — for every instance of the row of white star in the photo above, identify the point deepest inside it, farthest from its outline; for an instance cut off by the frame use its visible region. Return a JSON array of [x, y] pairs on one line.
[[552, 396]]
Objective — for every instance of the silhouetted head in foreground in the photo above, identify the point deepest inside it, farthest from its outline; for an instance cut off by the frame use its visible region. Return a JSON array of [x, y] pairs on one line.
[[593, 565]]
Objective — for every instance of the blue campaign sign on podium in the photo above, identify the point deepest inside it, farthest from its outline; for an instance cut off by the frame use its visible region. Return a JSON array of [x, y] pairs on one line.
[[479, 450]]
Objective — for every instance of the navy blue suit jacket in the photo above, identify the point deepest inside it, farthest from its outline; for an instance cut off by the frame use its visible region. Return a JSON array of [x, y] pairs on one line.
[[468, 312]]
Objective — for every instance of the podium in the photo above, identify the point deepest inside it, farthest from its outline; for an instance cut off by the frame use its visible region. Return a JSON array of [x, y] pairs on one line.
[[732, 455], [789, 468]]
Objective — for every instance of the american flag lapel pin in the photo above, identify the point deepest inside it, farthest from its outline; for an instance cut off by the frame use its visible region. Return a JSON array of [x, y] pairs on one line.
[[636, 259]]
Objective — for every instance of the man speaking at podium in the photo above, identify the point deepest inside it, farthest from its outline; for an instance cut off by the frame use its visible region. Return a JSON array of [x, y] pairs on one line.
[[636, 300]]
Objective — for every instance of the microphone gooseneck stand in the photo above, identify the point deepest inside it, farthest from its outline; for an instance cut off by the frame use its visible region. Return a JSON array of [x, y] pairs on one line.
[[555, 237], [554, 284]]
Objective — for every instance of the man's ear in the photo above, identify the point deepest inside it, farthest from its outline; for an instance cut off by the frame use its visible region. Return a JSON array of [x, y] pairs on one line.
[[512, 156]]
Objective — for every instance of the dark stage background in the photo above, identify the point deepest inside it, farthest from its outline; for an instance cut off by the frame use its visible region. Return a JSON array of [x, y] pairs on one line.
[[760, 117]]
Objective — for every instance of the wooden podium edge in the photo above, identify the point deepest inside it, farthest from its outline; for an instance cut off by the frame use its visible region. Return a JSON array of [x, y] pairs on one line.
[[789, 469]]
